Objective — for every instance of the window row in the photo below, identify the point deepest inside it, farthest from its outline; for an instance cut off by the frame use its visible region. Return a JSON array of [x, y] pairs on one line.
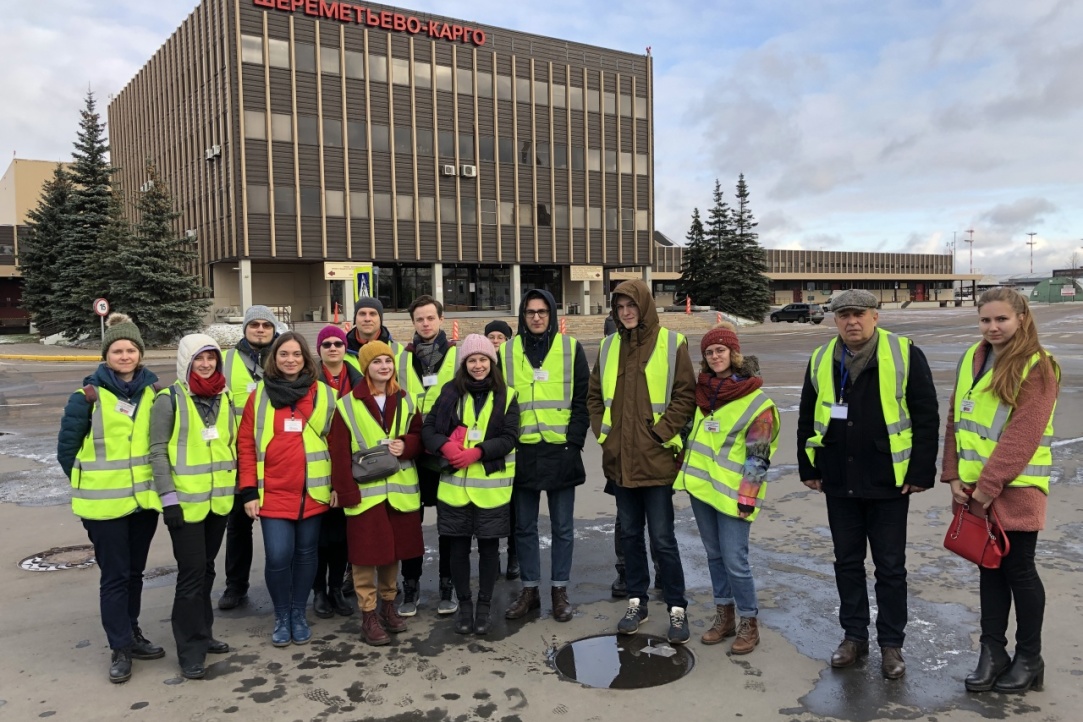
[[386, 206], [352, 64], [448, 145]]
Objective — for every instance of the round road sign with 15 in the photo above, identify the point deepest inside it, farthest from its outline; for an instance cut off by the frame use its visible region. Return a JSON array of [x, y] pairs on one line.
[[101, 306]]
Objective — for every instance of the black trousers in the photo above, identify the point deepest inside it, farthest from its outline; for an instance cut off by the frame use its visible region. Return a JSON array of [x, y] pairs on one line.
[[411, 568], [121, 547], [195, 547], [879, 525], [488, 566], [1017, 578], [331, 555], [238, 548]]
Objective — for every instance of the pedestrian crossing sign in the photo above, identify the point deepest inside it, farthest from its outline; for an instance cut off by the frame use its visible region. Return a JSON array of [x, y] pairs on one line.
[[362, 281]]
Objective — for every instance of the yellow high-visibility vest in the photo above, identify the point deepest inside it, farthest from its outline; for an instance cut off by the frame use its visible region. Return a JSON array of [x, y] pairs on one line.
[[978, 430], [893, 373], [427, 398], [401, 489], [460, 487], [714, 461], [202, 459], [545, 394], [313, 436], [240, 379], [112, 475], [659, 371]]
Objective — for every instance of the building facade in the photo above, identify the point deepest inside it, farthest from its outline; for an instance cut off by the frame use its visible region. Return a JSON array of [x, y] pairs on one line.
[[461, 160], [20, 193]]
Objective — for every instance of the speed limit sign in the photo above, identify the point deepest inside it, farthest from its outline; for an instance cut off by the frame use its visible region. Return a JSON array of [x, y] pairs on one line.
[[101, 307]]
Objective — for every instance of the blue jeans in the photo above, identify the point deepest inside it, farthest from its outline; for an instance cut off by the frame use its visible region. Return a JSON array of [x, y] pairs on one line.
[[725, 539], [561, 522], [290, 567], [650, 506]]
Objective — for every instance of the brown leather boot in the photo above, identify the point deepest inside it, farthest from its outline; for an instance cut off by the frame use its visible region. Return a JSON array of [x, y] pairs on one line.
[[390, 618], [527, 601], [748, 636], [371, 631], [562, 608], [725, 625]]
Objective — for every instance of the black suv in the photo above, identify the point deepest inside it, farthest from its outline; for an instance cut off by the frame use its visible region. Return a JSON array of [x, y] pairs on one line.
[[800, 312]]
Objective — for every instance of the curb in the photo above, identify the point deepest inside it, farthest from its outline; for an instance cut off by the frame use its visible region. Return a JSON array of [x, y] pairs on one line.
[[28, 357]]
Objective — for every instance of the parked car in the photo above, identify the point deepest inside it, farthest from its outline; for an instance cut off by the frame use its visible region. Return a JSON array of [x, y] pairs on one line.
[[800, 312]]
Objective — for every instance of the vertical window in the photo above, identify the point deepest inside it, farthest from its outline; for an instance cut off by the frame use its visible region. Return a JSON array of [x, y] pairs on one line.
[[487, 148], [307, 130], [380, 139], [310, 201], [526, 153], [465, 78], [255, 124], [505, 150], [446, 140], [466, 147], [625, 162], [579, 217], [642, 166], [468, 211], [355, 134], [526, 214], [335, 203], [503, 87], [278, 53], [377, 68], [544, 217], [285, 201], [282, 127], [577, 158], [485, 85], [594, 99], [424, 141], [611, 161], [404, 207], [355, 65], [306, 57], [522, 90], [541, 155], [641, 106], [610, 103], [626, 105], [332, 133], [252, 50], [447, 209], [359, 205], [426, 209], [575, 98], [258, 201], [329, 61], [541, 92], [594, 218], [560, 216], [559, 96], [443, 78], [560, 156], [594, 159], [404, 141], [381, 206], [422, 74], [642, 221], [628, 220], [489, 213], [507, 213], [611, 219], [400, 71]]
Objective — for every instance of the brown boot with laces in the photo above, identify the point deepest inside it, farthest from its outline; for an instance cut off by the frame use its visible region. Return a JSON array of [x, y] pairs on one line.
[[390, 618], [725, 625], [562, 608], [748, 636], [527, 601], [371, 631]]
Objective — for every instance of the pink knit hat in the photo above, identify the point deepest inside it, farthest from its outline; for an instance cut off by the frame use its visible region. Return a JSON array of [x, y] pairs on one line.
[[472, 344], [330, 331]]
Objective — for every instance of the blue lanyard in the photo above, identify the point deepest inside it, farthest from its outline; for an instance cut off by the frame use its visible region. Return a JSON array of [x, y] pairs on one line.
[[844, 373]]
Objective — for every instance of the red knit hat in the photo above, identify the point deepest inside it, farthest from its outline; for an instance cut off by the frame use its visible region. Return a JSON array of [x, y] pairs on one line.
[[330, 332], [721, 334]]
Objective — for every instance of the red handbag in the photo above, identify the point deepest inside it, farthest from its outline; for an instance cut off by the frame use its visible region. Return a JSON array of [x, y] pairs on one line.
[[978, 539]]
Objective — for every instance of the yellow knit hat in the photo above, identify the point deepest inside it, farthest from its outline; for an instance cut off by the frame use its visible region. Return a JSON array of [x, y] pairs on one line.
[[371, 350]]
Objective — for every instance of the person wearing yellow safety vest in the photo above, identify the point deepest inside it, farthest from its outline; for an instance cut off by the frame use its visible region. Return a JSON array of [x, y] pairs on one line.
[[369, 326], [433, 358], [383, 517], [549, 373], [498, 332], [285, 476], [193, 453], [727, 454], [244, 369], [474, 425], [642, 393], [997, 452], [867, 436], [104, 448]]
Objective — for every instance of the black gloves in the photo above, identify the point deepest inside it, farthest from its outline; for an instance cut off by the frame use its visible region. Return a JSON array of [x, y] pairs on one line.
[[174, 516]]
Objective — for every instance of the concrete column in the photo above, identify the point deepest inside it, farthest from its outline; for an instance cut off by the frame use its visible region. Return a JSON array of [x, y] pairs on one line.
[[438, 281], [516, 288], [244, 274], [647, 276], [585, 300], [347, 301]]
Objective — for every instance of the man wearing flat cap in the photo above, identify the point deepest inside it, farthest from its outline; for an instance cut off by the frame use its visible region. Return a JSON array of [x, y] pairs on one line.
[[867, 436]]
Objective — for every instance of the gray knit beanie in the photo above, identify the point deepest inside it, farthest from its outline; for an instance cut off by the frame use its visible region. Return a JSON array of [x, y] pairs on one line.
[[259, 313], [119, 327], [369, 302]]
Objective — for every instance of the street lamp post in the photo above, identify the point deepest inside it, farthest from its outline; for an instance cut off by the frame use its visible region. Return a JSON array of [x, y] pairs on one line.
[[1031, 243], [971, 242]]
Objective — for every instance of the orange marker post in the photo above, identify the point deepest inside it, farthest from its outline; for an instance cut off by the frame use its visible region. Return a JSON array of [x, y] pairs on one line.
[[563, 324], [454, 330], [688, 305]]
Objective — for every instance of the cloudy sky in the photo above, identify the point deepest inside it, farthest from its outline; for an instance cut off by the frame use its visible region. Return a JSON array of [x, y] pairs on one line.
[[887, 125]]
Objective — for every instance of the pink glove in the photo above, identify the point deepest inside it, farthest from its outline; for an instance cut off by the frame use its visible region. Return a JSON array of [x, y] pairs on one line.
[[451, 451], [458, 436], [467, 457]]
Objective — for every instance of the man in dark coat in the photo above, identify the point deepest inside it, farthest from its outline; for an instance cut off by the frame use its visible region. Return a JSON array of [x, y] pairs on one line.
[[549, 372], [867, 454]]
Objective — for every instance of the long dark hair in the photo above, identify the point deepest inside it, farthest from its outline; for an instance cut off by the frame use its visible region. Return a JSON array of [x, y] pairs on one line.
[[311, 367], [462, 377], [1009, 365]]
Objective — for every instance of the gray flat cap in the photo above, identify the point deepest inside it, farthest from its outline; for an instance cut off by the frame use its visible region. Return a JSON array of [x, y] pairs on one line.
[[853, 298]]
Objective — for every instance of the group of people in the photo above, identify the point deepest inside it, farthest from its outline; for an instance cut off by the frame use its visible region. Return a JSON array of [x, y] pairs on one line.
[[339, 453]]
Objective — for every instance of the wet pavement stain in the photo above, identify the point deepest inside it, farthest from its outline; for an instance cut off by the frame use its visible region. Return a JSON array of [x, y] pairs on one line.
[[278, 692], [139, 705], [247, 685], [623, 662]]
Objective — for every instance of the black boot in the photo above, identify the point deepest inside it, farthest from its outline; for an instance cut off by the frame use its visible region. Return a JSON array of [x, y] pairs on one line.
[[1025, 673], [464, 621], [321, 605], [143, 648], [619, 588], [513, 567], [992, 661], [347, 583], [121, 668], [482, 623], [339, 604]]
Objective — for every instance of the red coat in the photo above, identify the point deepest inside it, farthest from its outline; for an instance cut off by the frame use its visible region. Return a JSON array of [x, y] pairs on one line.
[[284, 495]]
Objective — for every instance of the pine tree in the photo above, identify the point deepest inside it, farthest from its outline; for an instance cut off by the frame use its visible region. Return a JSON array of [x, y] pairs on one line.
[[720, 235], [749, 262], [50, 227], [697, 261], [158, 289]]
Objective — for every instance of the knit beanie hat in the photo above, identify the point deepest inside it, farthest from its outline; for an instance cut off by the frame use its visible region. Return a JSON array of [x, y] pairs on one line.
[[369, 302], [472, 344], [372, 349], [498, 325], [259, 313], [119, 327], [330, 331], [724, 334]]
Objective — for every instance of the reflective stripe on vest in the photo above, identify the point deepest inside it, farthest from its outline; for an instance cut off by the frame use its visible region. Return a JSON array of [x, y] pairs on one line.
[[714, 462], [204, 471], [112, 475], [239, 376], [659, 371], [545, 407], [426, 399], [978, 431], [472, 485], [313, 436], [401, 488], [893, 373]]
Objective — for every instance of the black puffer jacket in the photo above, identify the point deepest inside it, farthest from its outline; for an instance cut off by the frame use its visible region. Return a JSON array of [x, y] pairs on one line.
[[543, 466]]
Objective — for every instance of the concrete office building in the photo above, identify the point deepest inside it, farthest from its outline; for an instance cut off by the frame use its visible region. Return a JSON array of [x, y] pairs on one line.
[[302, 138]]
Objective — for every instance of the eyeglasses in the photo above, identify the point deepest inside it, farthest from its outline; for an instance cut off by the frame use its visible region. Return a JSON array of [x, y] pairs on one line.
[[709, 353], [537, 313], [332, 344], [261, 324]]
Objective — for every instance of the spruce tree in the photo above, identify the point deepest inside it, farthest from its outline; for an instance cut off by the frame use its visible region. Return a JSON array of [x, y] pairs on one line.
[[720, 235], [752, 287], [158, 288], [50, 227], [697, 261]]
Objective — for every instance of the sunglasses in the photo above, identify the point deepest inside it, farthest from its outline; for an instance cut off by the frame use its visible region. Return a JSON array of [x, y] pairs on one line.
[[261, 324], [332, 344]]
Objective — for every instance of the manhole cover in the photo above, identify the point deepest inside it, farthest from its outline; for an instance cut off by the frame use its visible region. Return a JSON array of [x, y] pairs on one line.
[[612, 661], [60, 558]]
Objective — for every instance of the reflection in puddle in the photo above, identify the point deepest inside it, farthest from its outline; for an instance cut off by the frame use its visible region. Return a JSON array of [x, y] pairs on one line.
[[613, 661]]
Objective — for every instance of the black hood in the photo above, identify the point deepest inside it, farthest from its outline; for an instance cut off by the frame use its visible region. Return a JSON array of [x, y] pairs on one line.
[[537, 345]]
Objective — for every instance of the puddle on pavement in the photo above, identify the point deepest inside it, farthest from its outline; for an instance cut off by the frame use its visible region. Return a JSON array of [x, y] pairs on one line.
[[611, 661]]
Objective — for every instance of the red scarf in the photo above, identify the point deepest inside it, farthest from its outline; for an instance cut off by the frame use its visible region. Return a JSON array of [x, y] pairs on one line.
[[207, 387], [342, 386], [713, 392]]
